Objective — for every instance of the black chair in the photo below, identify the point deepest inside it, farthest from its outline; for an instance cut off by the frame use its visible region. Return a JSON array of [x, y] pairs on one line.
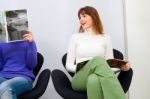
[[42, 81], [63, 85]]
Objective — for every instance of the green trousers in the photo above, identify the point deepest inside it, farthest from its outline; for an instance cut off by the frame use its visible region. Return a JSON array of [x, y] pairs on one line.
[[97, 78]]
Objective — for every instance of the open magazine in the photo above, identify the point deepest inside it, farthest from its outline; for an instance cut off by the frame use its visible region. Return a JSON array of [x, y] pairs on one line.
[[116, 63], [13, 25]]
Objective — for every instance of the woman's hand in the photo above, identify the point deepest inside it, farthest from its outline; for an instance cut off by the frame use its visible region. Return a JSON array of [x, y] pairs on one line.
[[28, 36], [125, 67]]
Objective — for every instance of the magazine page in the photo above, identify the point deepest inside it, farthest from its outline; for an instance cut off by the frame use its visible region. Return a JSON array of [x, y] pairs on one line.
[[116, 63], [2, 27], [17, 24]]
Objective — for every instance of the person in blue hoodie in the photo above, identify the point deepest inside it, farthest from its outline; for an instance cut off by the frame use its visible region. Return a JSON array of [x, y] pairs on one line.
[[17, 60]]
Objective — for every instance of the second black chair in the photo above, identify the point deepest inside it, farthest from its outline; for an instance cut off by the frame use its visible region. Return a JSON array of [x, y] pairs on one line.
[[62, 83]]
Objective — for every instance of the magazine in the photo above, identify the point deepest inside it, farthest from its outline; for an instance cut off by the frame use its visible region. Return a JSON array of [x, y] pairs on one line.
[[116, 63], [13, 25]]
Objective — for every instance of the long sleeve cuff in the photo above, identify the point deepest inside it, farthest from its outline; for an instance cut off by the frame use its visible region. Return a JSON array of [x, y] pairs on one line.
[[71, 68]]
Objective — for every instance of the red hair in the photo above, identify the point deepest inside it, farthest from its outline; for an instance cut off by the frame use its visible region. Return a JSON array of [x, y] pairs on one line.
[[97, 27]]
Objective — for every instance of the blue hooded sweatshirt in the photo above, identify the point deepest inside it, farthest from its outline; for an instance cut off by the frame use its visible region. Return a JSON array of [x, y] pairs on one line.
[[18, 59]]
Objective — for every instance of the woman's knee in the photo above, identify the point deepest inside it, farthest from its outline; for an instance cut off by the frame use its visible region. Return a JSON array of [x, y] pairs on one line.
[[4, 88], [92, 80], [17, 84], [7, 92]]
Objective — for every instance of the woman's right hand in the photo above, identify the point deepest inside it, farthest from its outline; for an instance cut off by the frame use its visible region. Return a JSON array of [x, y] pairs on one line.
[[28, 36]]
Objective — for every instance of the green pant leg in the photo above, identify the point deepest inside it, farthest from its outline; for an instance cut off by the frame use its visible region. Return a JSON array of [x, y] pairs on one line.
[[94, 90], [80, 78], [111, 88], [108, 80]]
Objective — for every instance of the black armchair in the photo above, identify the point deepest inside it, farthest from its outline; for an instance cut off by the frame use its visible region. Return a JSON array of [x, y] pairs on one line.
[[42, 81], [63, 85]]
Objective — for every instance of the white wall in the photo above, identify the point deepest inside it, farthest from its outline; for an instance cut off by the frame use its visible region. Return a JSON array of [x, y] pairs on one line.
[[54, 21], [138, 34]]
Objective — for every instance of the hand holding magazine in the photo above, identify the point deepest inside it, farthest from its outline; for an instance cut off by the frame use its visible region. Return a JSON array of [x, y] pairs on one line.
[[13, 25], [116, 63]]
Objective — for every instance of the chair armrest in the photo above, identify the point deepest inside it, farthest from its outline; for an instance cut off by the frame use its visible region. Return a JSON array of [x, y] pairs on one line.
[[40, 87], [63, 86], [60, 80]]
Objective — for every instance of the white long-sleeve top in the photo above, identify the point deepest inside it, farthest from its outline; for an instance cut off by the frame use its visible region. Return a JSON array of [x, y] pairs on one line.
[[85, 46]]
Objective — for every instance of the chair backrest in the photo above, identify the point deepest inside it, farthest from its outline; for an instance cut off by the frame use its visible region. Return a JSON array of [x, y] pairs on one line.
[[117, 54], [40, 60]]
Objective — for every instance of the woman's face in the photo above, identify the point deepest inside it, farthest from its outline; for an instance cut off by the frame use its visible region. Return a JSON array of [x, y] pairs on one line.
[[86, 21]]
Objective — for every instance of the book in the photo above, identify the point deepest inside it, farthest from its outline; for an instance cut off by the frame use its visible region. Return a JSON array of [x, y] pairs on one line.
[[13, 25], [116, 63]]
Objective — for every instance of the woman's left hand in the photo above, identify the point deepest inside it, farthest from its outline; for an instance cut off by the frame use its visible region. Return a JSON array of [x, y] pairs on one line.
[[28, 36], [125, 67]]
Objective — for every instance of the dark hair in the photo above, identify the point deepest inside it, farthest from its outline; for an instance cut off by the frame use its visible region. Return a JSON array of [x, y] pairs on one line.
[[91, 11]]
